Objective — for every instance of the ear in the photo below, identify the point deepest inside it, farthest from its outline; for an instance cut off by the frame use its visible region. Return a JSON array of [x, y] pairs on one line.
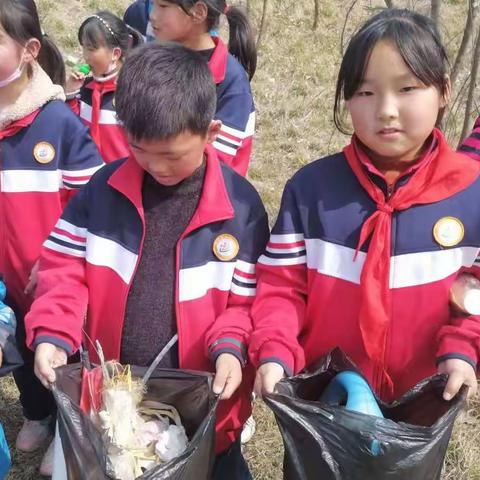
[[116, 54], [32, 50], [213, 130], [448, 92], [199, 12]]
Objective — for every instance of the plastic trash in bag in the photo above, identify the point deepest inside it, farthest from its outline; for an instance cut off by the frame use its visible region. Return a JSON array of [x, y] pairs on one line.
[[189, 392], [332, 442], [5, 460], [11, 358]]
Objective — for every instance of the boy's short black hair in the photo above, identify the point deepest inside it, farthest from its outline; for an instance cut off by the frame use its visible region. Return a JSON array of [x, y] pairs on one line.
[[165, 89]]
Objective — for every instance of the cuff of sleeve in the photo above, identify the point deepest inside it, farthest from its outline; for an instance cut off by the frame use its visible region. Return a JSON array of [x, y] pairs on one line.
[[457, 356], [457, 348], [54, 341], [278, 353], [228, 345]]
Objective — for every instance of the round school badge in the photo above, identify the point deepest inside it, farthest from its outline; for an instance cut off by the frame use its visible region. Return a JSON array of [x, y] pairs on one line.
[[448, 231], [226, 247], [44, 152]]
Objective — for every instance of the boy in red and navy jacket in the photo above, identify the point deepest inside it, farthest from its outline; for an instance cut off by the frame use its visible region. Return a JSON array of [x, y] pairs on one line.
[[162, 243], [471, 145]]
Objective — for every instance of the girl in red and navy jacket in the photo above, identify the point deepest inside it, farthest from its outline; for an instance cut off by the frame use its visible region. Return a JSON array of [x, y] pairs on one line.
[[471, 145], [368, 241], [46, 154], [178, 254], [105, 39], [189, 22]]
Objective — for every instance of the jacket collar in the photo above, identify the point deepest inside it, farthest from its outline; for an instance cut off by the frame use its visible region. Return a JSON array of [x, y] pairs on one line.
[[218, 61], [214, 204]]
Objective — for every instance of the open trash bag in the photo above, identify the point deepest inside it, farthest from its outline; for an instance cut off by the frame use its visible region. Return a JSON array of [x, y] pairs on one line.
[[189, 392], [333, 443]]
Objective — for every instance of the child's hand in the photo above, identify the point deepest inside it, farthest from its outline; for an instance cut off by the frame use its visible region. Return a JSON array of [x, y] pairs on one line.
[[32, 280], [228, 376], [48, 357], [459, 373], [74, 81], [268, 375]]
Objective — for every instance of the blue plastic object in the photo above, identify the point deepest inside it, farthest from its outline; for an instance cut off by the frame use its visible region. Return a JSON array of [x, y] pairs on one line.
[[5, 459], [7, 316], [351, 390]]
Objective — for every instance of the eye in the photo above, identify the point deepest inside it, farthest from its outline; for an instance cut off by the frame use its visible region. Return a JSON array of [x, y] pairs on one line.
[[410, 88], [364, 93]]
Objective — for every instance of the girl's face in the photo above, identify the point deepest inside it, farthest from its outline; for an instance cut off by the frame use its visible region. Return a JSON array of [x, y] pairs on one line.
[[102, 60], [393, 112], [169, 22], [11, 55]]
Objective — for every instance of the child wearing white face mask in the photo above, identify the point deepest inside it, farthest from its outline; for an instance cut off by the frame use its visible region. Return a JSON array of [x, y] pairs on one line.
[[46, 154], [105, 39]]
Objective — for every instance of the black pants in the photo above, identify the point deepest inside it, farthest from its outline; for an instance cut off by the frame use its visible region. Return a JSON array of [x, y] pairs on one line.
[[37, 402], [230, 465]]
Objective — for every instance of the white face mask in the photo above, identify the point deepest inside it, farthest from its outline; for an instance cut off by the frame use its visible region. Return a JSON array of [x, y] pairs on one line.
[[14, 76]]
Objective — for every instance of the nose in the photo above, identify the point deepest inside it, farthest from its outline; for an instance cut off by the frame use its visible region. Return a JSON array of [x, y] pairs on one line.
[[154, 13], [387, 107]]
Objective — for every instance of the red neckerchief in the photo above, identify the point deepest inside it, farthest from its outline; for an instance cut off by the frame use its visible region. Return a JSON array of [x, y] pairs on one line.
[[99, 88], [14, 127], [218, 61], [440, 174]]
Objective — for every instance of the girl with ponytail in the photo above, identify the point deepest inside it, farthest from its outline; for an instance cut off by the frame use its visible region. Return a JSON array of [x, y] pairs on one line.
[[189, 22], [45, 154], [105, 40]]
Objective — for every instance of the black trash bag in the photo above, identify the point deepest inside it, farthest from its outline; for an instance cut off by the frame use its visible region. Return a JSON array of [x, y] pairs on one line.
[[331, 443], [12, 358], [189, 392]]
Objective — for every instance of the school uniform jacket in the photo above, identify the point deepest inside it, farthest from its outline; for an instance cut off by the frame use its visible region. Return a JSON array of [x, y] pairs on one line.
[[137, 16], [471, 145], [308, 293], [92, 254], [235, 108], [95, 105], [49, 157]]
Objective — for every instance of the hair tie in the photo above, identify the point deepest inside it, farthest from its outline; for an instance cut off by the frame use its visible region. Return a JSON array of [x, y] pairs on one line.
[[105, 24], [226, 9]]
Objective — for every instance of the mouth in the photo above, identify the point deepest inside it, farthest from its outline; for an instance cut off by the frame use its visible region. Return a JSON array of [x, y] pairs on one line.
[[389, 131]]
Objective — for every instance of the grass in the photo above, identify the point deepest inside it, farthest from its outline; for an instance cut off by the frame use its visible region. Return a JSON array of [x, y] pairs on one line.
[[294, 88]]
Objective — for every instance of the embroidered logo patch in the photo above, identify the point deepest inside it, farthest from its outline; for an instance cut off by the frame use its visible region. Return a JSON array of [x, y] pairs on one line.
[[226, 247], [448, 231], [44, 152]]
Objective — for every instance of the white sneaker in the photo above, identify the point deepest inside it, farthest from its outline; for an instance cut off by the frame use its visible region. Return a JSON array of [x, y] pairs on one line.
[[46, 467], [33, 434], [248, 430]]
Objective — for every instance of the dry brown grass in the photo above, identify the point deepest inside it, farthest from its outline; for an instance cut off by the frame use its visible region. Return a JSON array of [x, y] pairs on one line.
[[294, 89]]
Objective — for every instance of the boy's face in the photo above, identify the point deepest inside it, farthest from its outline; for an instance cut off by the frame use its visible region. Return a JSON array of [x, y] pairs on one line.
[[172, 160]]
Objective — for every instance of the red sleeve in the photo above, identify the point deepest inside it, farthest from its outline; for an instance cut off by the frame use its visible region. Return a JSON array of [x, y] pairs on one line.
[[231, 331], [461, 337], [58, 312], [279, 310]]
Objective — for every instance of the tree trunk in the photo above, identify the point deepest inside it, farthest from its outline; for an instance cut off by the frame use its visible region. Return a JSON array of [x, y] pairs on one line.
[[316, 16], [262, 23], [390, 3], [435, 11], [467, 35], [468, 121]]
